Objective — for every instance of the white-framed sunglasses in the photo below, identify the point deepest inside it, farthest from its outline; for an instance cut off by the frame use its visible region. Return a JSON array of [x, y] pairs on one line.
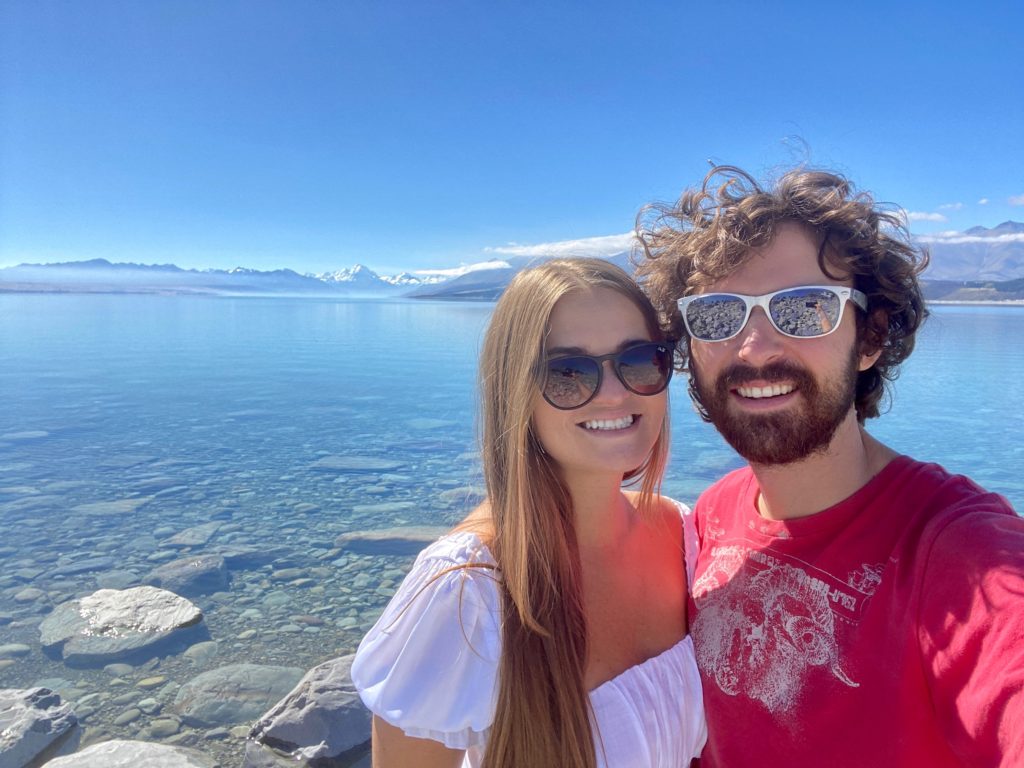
[[801, 312]]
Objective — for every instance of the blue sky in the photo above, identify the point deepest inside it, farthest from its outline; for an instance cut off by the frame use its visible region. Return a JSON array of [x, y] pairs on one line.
[[315, 135]]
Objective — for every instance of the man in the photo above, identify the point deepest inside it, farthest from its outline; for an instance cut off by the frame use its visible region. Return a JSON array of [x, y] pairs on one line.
[[852, 606]]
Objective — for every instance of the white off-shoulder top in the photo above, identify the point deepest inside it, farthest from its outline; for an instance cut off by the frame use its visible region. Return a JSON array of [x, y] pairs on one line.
[[429, 666]]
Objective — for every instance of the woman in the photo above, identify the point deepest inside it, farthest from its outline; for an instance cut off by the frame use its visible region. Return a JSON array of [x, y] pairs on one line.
[[549, 629]]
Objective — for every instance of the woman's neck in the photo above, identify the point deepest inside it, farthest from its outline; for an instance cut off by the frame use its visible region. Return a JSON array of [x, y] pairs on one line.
[[603, 515]]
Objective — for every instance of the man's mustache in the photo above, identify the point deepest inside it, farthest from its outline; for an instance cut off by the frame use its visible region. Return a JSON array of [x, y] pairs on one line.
[[738, 374]]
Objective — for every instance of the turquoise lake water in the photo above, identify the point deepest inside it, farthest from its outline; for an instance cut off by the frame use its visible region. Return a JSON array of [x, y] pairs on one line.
[[189, 410]]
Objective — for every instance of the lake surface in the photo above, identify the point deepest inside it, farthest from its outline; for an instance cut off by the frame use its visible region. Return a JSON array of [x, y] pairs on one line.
[[125, 420]]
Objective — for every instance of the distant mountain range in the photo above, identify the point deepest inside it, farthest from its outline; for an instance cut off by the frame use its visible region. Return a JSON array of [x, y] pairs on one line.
[[977, 265], [977, 254]]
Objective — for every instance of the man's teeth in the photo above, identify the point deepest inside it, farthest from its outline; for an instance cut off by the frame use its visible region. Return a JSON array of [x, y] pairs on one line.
[[773, 391], [622, 423]]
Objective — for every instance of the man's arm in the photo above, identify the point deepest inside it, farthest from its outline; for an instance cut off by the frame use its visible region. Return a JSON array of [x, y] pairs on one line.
[[971, 627]]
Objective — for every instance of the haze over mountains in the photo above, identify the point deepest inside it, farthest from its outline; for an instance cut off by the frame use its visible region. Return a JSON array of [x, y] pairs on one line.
[[979, 264]]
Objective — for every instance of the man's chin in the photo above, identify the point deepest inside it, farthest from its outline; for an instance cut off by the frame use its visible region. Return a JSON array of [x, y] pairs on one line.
[[775, 439]]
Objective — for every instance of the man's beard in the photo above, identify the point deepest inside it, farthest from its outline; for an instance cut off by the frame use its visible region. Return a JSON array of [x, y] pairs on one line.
[[780, 437]]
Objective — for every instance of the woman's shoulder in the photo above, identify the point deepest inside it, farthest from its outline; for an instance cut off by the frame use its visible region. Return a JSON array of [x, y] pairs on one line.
[[674, 507], [429, 665], [478, 522], [453, 579], [460, 547], [678, 523], [662, 509]]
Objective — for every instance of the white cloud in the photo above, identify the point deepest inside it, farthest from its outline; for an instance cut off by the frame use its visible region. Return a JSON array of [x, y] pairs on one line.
[[951, 207], [958, 237], [1017, 200], [464, 269], [607, 245], [921, 216], [983, 201]]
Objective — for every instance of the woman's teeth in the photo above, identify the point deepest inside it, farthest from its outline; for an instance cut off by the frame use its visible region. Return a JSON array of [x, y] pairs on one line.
[[773, 391], [622, 423]]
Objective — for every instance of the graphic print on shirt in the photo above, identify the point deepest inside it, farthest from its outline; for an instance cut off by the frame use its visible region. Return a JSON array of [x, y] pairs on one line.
[[866, 579], [766, 622]]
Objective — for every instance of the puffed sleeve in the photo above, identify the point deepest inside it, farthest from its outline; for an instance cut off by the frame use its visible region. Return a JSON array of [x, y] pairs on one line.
[[429, 665]]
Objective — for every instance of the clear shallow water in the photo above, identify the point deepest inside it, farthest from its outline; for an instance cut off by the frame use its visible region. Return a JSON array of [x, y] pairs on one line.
[[216, 409]]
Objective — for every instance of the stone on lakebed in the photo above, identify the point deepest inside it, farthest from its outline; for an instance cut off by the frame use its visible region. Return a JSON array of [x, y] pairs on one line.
[[33, 724], [403, 540], [236, 693], [191, 576], [134, 754], [196, 536], [322, 718], [355, 464], [112, 508], [120, 624]]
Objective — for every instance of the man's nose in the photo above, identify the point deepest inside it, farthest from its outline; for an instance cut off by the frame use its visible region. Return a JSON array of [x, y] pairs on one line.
[[759, 341]]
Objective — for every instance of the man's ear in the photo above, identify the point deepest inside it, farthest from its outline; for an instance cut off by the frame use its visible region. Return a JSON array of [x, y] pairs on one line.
[[873, 336]]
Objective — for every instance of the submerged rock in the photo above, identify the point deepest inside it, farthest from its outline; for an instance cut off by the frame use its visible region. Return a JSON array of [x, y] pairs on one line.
[[112, 508], [243, 557], [405, 540], [117, 579], [35, 724], [466, 496], [134, 754], [86, 565], [233, 694], [323, 717], [115, 625], [384, 508], [428, 423], [196, 536], [191, 576], [355, 464], [29, 434]]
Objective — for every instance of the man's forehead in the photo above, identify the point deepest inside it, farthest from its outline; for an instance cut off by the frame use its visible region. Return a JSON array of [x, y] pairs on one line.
[[790, 259]]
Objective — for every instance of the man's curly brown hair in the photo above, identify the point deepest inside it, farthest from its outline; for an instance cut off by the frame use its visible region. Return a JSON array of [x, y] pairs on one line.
[[712, 231]]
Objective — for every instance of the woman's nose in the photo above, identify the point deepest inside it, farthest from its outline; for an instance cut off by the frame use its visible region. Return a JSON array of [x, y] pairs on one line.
[[611, 388]]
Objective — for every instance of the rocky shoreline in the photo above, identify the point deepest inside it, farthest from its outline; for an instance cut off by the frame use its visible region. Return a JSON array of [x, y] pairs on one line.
[[319, 722], [199, 644]]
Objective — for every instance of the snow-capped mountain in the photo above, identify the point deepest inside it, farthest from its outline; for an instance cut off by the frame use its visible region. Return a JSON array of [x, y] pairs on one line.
[[977, 254], [411, 280], [362, 279], [358, 279]]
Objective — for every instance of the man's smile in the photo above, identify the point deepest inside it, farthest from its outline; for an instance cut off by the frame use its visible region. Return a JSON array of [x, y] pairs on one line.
[[772, 390]]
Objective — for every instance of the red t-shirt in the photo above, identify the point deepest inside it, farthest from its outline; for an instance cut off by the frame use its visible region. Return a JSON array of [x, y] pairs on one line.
[[887, 630]]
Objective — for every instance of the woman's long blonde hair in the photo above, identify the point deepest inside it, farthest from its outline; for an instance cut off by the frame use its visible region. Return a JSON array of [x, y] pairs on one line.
[[543, 709]]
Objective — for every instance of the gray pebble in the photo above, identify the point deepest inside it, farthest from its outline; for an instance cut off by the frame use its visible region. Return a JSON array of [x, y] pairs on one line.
[[128, 716], [14, 651], [150, 706], [163, 727]]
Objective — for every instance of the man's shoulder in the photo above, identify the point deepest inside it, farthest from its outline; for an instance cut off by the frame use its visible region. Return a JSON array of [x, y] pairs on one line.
[[960, 520], [944, 495]]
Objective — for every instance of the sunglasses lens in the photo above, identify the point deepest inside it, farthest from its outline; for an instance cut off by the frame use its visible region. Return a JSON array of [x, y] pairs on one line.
[[715, 317], [646, 368], [571, 381], [806, 311]]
